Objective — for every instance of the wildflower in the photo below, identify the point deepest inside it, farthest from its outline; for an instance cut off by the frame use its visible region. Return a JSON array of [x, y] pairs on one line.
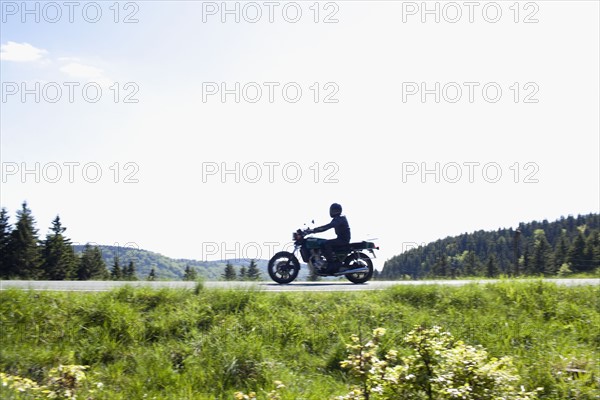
[[242, 396], [378, 332], [392, 355]]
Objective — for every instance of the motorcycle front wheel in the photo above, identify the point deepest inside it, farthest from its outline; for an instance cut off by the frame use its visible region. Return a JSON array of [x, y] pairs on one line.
[[283, 267], [359, 260]]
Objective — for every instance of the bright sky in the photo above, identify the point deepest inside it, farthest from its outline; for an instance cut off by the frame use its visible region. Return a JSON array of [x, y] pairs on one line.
[[212, 130]]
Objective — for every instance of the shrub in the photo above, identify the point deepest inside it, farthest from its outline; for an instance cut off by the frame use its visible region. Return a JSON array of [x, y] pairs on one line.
[[63, 382], [438, 367]]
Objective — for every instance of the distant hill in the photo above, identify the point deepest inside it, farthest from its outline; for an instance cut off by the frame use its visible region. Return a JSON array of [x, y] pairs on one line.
[[168, 268], [173, 269], [570, 244]]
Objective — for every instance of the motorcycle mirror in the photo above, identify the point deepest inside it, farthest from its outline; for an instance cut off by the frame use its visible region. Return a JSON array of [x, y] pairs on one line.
[[312, 221]]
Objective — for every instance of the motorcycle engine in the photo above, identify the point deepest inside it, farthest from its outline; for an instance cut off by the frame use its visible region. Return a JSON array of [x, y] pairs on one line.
[[316, 259]]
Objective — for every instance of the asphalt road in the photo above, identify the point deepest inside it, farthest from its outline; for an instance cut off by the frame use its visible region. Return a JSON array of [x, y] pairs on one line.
[[323, 286]]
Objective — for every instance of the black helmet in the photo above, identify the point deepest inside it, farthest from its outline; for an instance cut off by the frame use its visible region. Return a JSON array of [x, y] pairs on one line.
[[334, 210]]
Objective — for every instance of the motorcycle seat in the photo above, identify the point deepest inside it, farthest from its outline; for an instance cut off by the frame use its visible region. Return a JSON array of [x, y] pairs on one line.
[[355, 246]]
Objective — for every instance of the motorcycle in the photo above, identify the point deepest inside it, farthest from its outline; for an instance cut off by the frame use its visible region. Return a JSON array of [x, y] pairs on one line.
[[357, 266]]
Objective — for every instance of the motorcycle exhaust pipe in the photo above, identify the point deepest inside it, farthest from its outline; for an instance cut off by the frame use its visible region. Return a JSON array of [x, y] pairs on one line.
[[352, 271]]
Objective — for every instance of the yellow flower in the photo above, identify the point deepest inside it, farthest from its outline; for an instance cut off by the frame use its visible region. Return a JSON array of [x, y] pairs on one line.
[[279, 385], [378, 332]]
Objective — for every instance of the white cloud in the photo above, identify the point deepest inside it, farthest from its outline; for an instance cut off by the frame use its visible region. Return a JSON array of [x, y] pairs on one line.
[[72, 66], [81, 71], [21, 52], [77, 70], [66, 59]]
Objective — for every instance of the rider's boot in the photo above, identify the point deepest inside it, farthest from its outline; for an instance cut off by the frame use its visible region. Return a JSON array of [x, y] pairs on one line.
[[333, 267]]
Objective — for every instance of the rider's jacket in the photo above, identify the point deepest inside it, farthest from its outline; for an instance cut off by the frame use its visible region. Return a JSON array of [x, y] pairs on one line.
[[340, 224]]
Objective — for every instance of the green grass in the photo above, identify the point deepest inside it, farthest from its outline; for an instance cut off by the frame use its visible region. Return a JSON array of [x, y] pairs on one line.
[[208, 344]]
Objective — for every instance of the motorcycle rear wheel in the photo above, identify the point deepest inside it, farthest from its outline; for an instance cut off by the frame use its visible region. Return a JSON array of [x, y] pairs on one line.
[[283, 267], [358, 261]]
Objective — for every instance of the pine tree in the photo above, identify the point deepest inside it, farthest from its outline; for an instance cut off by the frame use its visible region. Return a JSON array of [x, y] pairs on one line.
[[376, 275], [229, 274], [454, 268], [253, 273], [576, 254], [526, 261], [59, 261], [243, 273], [129, 272], [471, 264], [541, 254], [92, 265], [561, 250], [592, 251], [152, 275], [25, 261], [5, 230], [440, 268], [190, 274], [491, 267], [116, 273], [516, 270]]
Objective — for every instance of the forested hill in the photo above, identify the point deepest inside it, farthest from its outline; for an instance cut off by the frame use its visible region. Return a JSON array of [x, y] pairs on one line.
[[166, 268], [26, 255], [570, 244]]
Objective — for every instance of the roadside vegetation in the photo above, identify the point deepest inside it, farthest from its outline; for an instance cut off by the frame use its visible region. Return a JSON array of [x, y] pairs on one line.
[[139, 343]]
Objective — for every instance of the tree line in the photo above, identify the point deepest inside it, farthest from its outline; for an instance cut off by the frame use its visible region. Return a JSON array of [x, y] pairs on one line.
[[250, 273], [568, 245], [559, 248], [23, 255]]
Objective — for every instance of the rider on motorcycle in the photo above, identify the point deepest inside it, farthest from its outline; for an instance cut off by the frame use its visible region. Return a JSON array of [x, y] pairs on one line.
[[342, 231]]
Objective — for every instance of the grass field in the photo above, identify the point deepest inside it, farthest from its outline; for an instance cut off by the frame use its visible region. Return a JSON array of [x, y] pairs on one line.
[[209, 344]]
